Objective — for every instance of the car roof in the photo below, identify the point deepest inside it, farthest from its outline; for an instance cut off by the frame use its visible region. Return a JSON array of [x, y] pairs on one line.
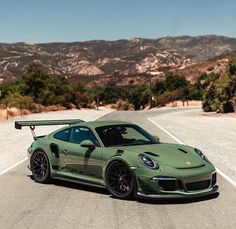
[[96, 124], [93, 125]]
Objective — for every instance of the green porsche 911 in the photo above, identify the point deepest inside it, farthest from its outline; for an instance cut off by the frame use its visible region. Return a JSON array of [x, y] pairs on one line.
[[121, 157]]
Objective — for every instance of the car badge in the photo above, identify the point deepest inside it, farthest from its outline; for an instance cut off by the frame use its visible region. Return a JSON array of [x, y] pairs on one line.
[[187, 162]]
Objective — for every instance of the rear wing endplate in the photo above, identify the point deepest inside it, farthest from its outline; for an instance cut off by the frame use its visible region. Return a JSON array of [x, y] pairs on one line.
[[33, 124]]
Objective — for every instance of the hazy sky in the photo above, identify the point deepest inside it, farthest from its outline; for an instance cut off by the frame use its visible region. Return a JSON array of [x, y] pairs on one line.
[[78, 20]]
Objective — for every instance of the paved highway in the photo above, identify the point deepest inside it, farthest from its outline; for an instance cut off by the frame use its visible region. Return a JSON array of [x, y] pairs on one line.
[[26, 204]]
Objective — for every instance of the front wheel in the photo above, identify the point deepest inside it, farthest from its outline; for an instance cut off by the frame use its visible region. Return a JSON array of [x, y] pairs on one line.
[[40, 167], [119, 180]]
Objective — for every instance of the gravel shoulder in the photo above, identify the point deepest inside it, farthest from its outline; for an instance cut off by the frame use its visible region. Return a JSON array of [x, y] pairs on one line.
[[13, 151], [214, 134]]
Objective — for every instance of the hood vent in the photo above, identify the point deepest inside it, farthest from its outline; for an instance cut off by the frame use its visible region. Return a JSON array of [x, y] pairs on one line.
[[183, 151], [191, 167], [151, 154]]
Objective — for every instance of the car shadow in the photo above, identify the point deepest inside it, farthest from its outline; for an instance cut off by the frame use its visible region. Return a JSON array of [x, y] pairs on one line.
[[74, 185], [81, 187], [103, 191]]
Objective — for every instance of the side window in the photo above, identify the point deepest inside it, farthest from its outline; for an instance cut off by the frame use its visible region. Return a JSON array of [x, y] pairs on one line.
[[63, 135], [79, 134], [133, 134]]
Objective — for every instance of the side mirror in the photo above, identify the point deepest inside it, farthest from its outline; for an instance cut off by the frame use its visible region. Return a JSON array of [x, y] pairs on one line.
[[157, 138], [87, 144]]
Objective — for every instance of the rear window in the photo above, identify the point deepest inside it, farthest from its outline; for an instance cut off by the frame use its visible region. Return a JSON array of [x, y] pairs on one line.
[[63, 135]]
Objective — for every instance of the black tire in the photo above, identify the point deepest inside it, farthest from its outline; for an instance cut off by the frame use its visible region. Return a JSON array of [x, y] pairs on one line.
[[40, 167], [120, 180]]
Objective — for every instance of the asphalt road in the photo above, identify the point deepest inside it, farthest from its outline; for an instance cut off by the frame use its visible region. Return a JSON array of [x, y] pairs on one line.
[[26, 204]]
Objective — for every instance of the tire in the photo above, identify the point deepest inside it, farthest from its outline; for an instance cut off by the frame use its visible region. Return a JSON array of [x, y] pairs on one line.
[[40, 167], [120, 180]]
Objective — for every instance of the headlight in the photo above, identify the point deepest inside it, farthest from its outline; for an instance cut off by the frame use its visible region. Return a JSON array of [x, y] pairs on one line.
[[147, 161], [200, 154]]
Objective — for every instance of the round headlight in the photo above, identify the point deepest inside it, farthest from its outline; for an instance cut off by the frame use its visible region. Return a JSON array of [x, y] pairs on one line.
[[200, 154], [147, 161]]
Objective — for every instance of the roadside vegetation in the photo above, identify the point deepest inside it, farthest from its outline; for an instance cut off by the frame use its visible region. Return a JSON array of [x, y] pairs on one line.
[[219, 92], [37, 90]]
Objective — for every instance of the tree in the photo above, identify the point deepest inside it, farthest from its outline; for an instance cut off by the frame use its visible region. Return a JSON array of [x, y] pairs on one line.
[[203, 81], [35, 82], [138, 95], [225, 90], [44, 88], [111, 93], [220, 95], [159, 87], [175, 82], [167, 97], [209, 98]]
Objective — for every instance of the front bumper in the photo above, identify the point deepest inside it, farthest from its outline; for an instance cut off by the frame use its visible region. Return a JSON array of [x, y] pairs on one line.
[[180, 195], [189, 184]]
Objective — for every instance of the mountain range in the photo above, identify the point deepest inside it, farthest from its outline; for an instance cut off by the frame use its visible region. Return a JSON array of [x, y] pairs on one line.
[[127, 60]]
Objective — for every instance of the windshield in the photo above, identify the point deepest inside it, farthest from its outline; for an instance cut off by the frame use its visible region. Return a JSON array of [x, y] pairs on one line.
[[124, 135]]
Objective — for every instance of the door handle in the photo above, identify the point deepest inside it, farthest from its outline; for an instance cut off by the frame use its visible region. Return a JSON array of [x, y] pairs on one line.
[[65, 151]]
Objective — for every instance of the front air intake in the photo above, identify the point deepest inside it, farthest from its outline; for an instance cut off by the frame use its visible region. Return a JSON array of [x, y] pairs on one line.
[[194, 186]]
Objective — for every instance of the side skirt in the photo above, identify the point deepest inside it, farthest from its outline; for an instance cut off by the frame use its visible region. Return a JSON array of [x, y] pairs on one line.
[[78, 181]]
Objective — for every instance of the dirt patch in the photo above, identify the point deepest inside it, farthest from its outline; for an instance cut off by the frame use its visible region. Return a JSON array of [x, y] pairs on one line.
[[12, 112]]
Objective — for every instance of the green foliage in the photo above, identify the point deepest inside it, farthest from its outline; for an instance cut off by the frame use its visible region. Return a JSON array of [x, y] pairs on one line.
[[159, 87], [175, 82], [111, 93], [208, 98], [217, 92], [18, 101], [173, 88], [35, 82], [203, 81], [220, 95], [232, 65], [167, 97], [44, 88], [138, 95], [10, 88]]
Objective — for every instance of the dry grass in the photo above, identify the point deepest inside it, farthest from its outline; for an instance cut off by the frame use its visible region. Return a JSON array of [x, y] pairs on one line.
[[12, 112], [185, 104]]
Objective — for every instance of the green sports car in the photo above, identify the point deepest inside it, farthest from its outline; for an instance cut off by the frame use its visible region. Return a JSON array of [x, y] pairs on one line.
[[121, 157]]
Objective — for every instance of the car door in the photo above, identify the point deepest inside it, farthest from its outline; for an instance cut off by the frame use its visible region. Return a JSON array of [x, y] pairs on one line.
[[82, 160]]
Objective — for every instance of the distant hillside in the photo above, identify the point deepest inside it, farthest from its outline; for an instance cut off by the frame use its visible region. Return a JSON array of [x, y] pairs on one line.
[[98, 60]]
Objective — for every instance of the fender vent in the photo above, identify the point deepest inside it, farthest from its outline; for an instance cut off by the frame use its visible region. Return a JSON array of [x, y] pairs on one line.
[[54, 150], [119, 152]]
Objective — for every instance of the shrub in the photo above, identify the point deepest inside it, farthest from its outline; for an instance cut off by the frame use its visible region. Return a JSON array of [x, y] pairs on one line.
[[18, 101]]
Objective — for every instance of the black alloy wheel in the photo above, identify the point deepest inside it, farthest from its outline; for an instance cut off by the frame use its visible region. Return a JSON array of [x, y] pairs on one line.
[[119, 180], [40, 167]]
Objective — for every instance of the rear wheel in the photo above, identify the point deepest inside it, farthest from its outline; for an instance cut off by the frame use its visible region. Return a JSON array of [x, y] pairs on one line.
[[119, 180], [40, 167]]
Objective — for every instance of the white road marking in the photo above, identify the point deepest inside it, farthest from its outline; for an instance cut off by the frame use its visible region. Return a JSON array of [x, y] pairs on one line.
[[12, 166], [25, 159], [167, 132], [226, 177]]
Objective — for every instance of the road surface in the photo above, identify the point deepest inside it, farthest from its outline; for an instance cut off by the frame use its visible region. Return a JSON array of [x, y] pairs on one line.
[[26, 204]]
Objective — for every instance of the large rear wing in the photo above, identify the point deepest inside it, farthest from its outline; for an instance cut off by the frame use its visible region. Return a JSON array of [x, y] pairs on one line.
[[20, 124], [33, 124]]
